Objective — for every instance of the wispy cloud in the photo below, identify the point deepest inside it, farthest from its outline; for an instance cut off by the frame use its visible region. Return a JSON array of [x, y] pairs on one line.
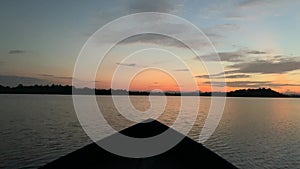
[[127, 64], [218, 76], [262, 8], [17, 51], [231, 56], [278, 66], [167, 6], [176, 28], [56, 77], [125, 7], [181, 70], [256, 3], [256, 52], [272, 65], [236, 56], [237, 76], [246, 10], [241, 55], [131, 65], [266, 4], [250, 84], [151, 38], [156, 24], [239, 83]]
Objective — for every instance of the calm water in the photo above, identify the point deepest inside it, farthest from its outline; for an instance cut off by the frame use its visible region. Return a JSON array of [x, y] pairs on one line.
[[253, 133]]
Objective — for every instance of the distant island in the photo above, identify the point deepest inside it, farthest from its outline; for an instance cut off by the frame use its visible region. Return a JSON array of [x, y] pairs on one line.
[[67, 90]]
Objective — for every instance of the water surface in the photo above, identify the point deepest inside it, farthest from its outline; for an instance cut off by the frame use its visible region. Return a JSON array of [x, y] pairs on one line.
[[253, 133]]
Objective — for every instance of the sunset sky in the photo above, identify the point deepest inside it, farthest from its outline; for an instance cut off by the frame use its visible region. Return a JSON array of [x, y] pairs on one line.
[[258, 42]]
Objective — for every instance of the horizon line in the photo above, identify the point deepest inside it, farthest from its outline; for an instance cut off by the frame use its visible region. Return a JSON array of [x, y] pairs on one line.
[[149, 91]]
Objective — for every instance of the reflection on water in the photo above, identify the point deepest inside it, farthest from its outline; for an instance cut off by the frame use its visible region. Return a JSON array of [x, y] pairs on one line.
[[253, 133]]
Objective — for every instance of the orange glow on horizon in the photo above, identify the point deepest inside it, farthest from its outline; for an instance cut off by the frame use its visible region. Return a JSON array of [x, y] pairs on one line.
[[153, 79]]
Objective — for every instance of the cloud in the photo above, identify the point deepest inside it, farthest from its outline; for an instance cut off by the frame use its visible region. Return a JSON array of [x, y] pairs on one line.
[[256, 3], [236, 56], [257, 9], [240, 55], [205, 76], [233, 56], [256, 52], [273, 65], [16, 80], [213, 35], [239, 83], [127, 64], [281, 65], [167, 6], [181, 70], [237, 76], [124, 7], [151, 38], [218, 76], [191, 35], [250, 84], [17, 51], [270, 4], [56, 77], [246, 10]]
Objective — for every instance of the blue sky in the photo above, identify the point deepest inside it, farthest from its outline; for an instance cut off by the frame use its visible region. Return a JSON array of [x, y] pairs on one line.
[[41, 39]]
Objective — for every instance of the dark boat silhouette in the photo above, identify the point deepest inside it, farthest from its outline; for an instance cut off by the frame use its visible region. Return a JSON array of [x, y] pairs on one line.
[[186, 154]]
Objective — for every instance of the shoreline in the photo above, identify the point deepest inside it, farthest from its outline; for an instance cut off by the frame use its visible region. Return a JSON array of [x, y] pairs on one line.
[[62, 94]]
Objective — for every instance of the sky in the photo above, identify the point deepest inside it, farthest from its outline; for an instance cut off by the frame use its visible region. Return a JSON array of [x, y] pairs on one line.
[[256, 40]]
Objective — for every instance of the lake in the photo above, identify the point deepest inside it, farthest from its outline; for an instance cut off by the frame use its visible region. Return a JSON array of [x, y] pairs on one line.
[[253, 132]]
